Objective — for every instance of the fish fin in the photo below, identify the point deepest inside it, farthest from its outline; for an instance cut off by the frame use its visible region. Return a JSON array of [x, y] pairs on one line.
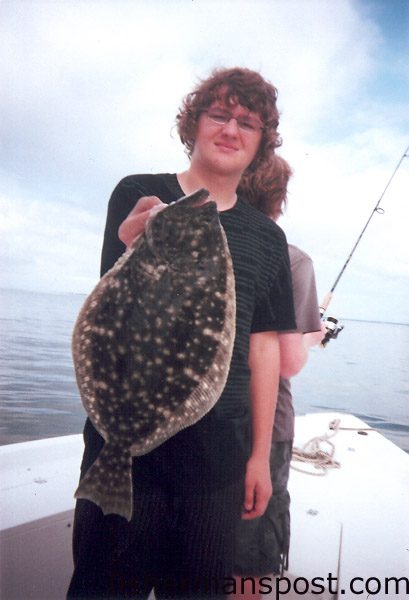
[[108, 482]]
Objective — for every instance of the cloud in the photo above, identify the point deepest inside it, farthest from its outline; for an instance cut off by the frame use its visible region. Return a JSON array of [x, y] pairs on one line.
[[91, 89], [50, 245]]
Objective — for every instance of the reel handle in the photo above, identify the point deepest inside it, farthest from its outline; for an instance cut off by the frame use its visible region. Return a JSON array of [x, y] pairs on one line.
[[332, 325]]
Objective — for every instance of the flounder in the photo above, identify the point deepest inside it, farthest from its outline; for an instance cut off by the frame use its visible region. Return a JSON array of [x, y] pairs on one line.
[[153, 342]]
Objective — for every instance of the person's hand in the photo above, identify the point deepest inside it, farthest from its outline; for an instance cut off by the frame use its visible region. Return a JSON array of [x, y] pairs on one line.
[[257, 488], [314, 337], [135, 222]]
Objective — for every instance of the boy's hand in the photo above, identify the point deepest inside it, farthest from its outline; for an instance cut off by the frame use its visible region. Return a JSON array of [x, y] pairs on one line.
[[135, 222], [257, 488]]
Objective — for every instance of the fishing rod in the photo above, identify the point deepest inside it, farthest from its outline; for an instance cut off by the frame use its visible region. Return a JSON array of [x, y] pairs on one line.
[[332, 324]]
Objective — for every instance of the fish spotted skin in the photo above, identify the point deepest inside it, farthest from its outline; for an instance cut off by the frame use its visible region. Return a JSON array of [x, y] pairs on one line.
[[153, 342]]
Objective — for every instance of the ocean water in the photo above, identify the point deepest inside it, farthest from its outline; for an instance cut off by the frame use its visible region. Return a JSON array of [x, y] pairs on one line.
[[364, 371]]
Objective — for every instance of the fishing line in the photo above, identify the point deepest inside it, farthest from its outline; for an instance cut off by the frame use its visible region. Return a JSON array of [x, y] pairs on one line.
[[376, 210]]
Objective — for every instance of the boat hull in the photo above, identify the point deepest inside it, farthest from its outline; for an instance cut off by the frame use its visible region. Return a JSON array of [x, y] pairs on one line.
[[350, 523]]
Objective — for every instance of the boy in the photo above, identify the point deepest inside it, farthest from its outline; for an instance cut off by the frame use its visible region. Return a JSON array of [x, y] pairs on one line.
[[190, 492]]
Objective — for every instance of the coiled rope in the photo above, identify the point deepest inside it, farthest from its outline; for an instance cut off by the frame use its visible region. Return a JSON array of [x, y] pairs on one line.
[[322, 459]]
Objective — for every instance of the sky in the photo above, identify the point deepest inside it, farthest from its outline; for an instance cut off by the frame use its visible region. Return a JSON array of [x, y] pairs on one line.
[[89, 94]]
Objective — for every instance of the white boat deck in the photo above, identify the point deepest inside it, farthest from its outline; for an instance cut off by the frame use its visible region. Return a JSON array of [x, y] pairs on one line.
[[349, 523], [352, 522]]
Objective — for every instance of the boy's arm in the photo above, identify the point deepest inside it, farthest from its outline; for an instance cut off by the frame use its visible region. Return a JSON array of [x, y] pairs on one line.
[[264, 362]]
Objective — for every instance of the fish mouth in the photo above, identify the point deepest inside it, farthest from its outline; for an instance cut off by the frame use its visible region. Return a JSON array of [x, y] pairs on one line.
[[198, 198], [182, 209]]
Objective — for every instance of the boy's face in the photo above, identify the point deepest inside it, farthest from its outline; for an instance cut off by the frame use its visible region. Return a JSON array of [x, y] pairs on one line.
[[227, 138]]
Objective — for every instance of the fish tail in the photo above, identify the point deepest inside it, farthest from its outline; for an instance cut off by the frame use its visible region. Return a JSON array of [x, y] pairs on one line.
[[108, 482]]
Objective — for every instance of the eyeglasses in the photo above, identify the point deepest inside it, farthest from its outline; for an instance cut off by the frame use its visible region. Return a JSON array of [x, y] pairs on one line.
[[222, 117]]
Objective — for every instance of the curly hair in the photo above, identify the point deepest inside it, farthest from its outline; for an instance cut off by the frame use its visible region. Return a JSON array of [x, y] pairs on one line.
[[237, 85], [266, 188]]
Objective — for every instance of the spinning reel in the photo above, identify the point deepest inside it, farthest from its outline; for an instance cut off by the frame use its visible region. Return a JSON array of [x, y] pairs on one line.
[[333, 327]]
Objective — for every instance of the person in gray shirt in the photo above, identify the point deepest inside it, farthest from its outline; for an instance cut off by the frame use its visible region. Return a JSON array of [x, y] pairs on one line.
[[262, 545]]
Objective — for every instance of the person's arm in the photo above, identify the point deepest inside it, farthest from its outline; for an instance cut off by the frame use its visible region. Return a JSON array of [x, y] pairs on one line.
[[294, 349], [264, 361], [126, 200], [294, 345]]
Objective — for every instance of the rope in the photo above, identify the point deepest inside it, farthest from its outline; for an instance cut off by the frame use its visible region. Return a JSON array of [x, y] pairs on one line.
[[312, 452], [322, 459]]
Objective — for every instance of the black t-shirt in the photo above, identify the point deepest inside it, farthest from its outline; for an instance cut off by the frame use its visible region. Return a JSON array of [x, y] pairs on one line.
[[213, 451]]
